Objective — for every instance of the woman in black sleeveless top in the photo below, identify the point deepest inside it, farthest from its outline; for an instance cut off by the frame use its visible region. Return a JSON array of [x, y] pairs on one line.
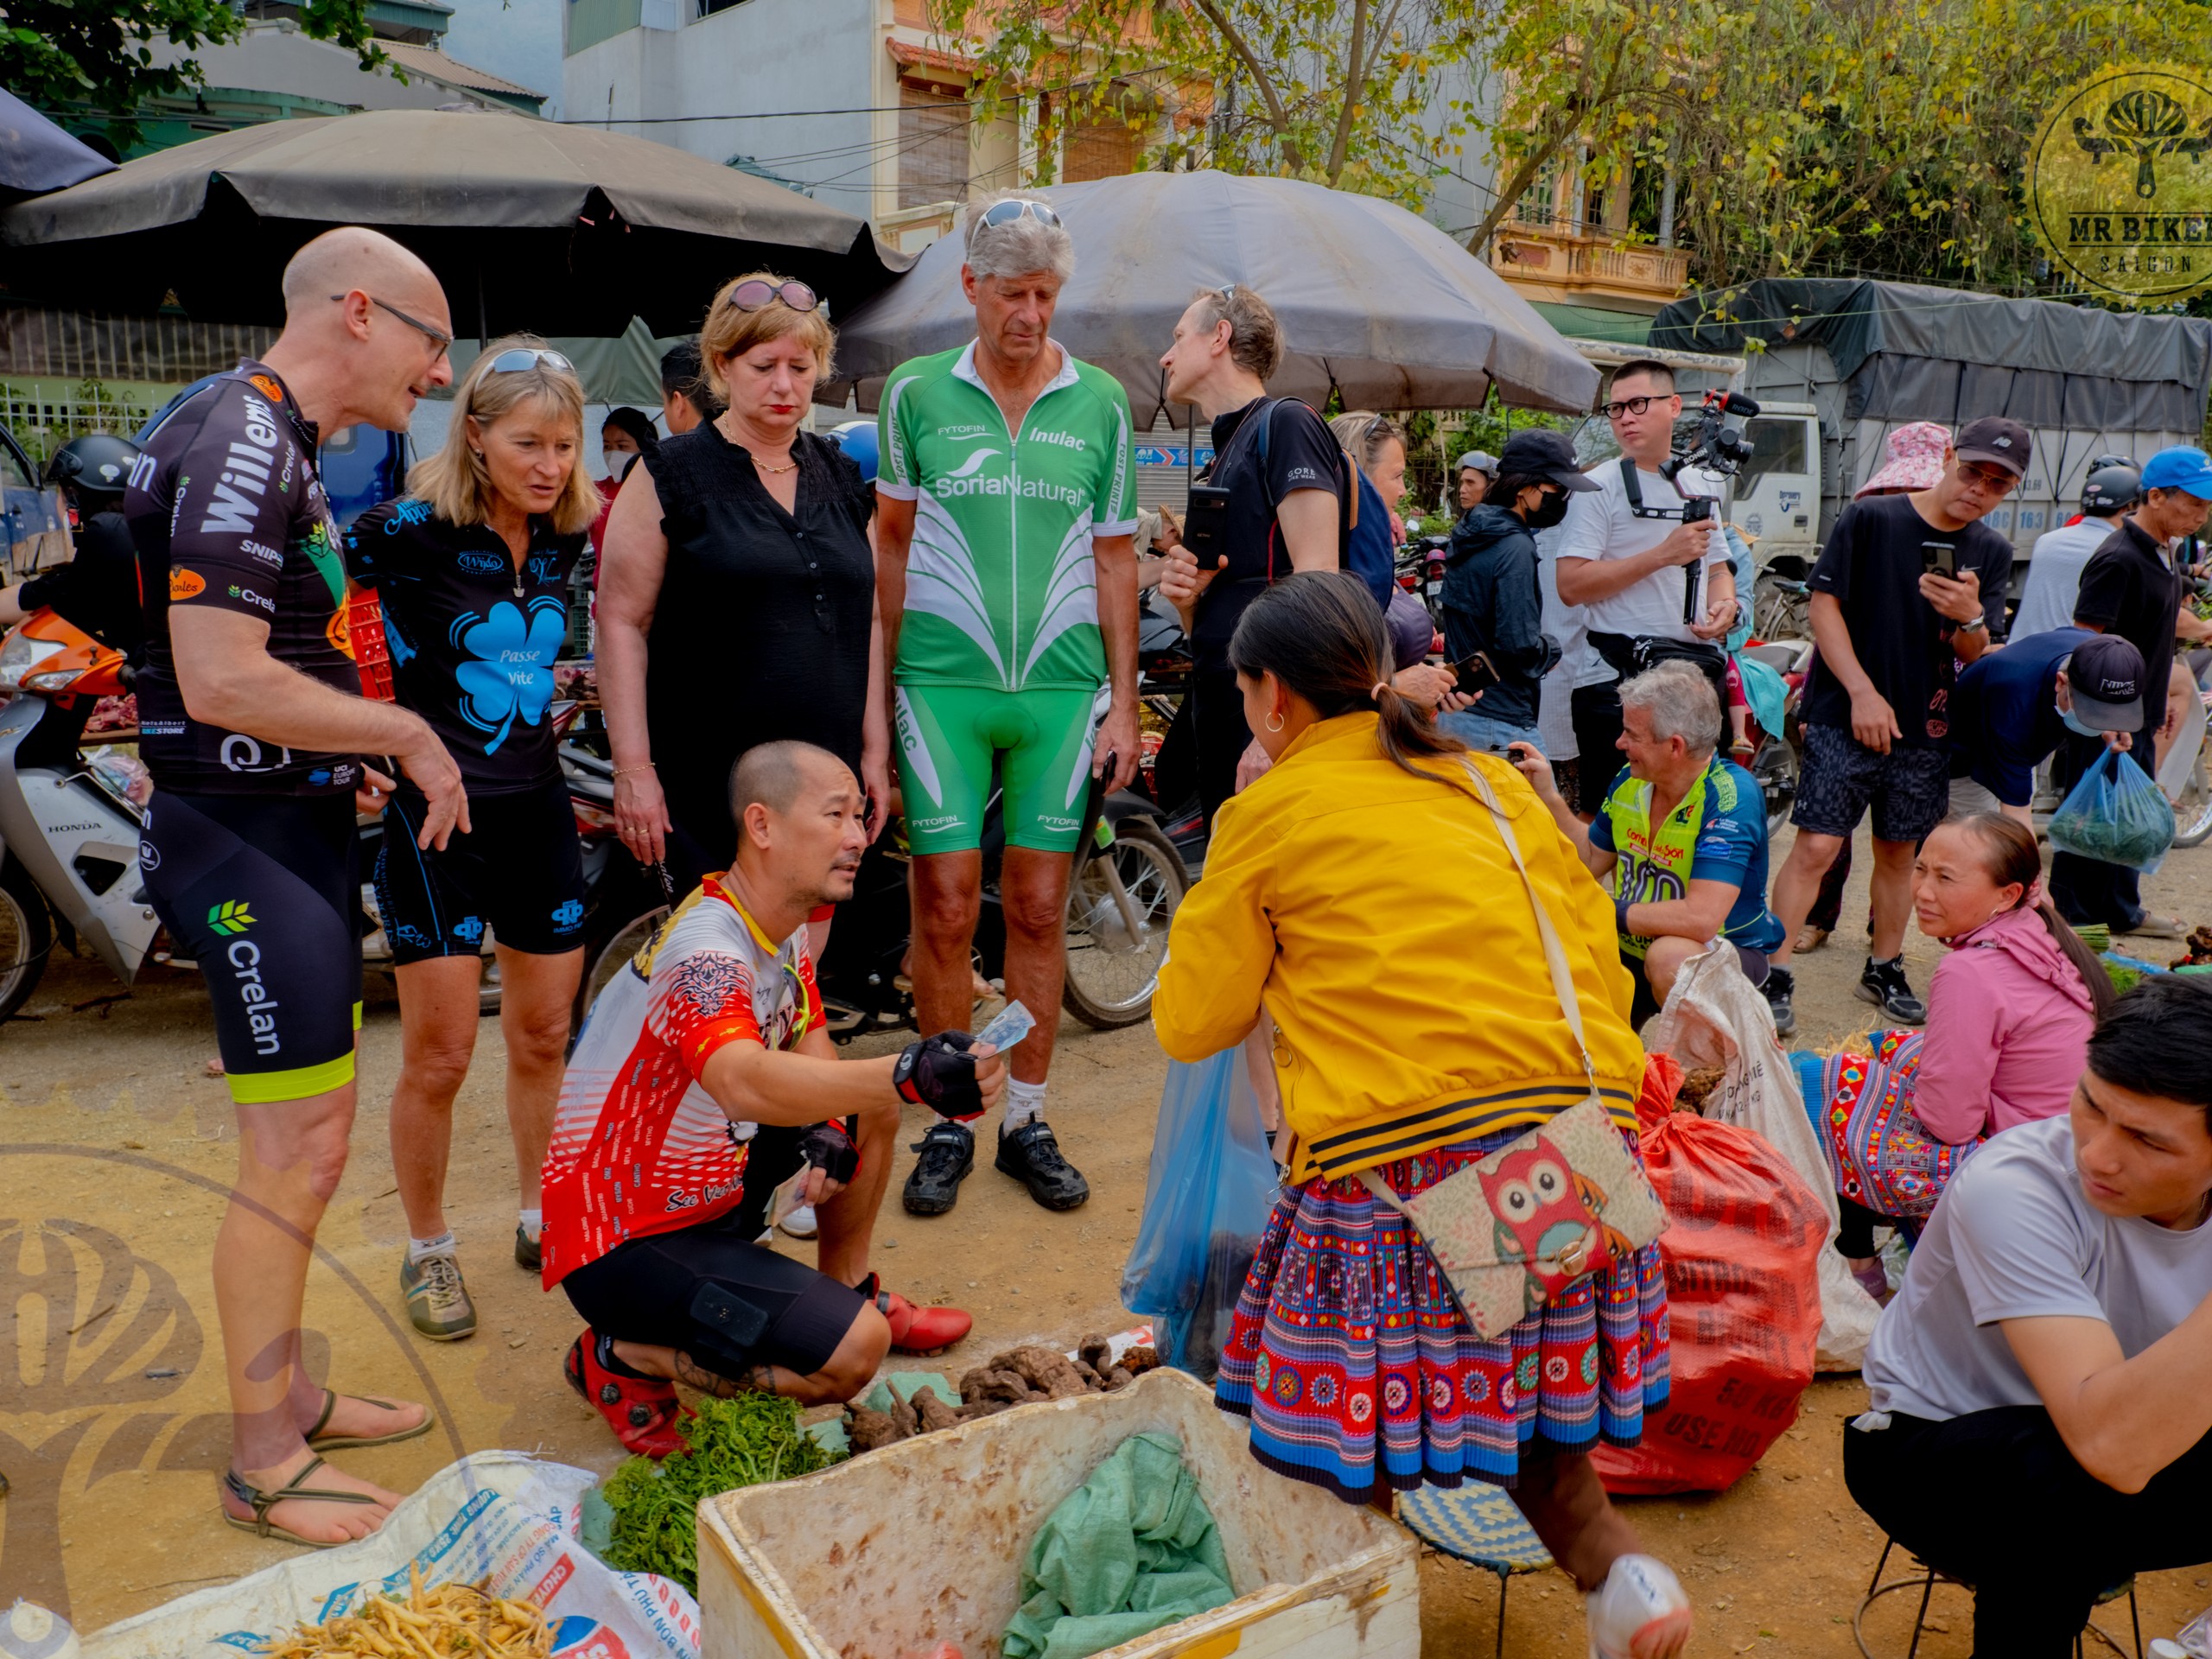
[[737, 594]]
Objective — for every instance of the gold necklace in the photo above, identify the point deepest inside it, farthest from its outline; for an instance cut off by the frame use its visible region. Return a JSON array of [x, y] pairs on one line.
[[790, 465]]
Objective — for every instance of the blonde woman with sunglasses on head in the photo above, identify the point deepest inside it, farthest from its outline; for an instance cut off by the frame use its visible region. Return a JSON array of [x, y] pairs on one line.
[[472, 566]]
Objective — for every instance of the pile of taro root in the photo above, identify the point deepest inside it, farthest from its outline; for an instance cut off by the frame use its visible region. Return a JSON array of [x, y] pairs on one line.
[[1019, 1376]]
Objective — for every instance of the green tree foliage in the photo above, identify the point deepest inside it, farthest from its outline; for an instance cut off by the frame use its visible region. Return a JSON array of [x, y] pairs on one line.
[[1810, 136], [1315, 89], [58, 53]]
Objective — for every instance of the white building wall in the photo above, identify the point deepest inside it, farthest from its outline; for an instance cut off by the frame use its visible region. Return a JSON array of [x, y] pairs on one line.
[[740, 71], [275, 57]]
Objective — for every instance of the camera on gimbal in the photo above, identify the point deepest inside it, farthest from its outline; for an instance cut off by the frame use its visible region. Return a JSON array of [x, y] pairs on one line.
[[1721, 450]]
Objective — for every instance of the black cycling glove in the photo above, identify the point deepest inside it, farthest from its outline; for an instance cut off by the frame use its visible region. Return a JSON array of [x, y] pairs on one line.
[[940, 1073], [830, 1149]]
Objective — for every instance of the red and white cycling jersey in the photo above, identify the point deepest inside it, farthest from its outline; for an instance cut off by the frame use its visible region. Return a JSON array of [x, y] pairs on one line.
[[638, 1146]]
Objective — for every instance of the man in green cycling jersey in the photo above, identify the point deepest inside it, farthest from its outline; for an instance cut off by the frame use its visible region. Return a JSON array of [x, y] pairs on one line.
[[1006, 571]]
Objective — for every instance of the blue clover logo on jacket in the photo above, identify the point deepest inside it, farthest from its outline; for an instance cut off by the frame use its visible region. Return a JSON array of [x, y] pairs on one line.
[[511, 675]]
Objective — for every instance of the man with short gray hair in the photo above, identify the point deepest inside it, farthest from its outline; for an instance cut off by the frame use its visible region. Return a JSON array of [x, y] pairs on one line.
[[1005, 574], [1681, 832]]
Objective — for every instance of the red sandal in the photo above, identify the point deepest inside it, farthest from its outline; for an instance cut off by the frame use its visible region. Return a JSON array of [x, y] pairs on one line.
[[641, 1410], [916, 1329]]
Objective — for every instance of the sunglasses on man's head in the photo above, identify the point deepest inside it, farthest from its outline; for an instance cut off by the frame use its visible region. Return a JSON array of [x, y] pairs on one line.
[[755, 293], [1004, 213], [517, 359]]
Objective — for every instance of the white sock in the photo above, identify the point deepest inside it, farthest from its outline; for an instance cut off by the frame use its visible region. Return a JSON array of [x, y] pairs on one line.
[[533, 1221], [1024, 1103], [442, 1245]]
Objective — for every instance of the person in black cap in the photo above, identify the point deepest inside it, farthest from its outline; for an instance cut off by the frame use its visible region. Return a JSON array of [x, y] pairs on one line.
[[2131, 589], [1906, 585], [2012, 710], [1493, 637]]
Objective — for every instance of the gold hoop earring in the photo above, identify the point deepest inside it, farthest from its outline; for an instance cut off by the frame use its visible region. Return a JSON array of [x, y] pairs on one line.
[[1275, 722]]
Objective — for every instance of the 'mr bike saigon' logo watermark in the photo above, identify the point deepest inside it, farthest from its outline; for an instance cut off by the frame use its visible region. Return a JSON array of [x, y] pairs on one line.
[[2119, 186]]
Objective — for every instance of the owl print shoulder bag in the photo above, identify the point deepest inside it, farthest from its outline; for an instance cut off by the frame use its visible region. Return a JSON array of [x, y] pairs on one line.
[[1515, 1229]]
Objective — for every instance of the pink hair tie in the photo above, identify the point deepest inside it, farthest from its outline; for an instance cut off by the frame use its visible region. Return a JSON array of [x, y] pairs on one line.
[[2034, 897], [1375, 691]]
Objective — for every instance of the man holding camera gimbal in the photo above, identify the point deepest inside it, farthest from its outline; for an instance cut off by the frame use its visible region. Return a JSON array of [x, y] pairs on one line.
[[1907, 587], [1623, 550]]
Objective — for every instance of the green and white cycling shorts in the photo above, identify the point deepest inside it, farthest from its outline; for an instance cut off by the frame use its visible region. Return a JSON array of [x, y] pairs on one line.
[[952, 739]]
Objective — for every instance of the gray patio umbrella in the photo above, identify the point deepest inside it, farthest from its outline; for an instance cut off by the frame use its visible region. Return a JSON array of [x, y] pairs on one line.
[[36, 156], [1373, 300], [530, 224]]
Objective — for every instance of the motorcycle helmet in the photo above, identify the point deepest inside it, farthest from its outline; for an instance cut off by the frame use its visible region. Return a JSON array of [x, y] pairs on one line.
[[858, 440], [2110, 487], [99, 463]]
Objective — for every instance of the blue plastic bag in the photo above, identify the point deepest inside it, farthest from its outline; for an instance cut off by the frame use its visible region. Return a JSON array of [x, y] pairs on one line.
[[1205, 1204], [2115, 815]]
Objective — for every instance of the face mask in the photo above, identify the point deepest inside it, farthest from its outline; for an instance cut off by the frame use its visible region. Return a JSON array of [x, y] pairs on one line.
[[1548, 511], [618, 464], [2075, 724]]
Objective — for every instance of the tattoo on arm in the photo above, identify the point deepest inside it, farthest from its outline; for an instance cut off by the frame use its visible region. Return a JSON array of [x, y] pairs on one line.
[[760, 1379]]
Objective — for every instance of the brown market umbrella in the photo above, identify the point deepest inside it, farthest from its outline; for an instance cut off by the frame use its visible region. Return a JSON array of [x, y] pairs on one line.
[[529, 224], [1375, 302]]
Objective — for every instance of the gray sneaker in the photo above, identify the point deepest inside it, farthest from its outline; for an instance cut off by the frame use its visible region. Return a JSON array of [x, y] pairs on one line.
[[437, 1301]]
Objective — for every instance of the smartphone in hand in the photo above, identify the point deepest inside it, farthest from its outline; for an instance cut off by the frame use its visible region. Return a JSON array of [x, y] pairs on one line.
[[1939, 558]]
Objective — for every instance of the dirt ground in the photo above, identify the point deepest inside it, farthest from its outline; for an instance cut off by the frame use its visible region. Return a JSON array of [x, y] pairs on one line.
[[111, 1424]]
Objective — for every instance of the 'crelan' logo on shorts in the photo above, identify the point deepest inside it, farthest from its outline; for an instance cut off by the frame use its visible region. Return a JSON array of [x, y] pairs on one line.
[[230, 917]]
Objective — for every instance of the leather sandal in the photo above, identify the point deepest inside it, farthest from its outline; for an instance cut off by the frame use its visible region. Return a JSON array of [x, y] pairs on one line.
[[319, 1441], [262, 1502]]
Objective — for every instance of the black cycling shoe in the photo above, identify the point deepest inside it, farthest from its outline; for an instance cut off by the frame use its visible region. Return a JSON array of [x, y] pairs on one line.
[[1032, 1156], [1781, 985], [1883, 984], [947, 1155]]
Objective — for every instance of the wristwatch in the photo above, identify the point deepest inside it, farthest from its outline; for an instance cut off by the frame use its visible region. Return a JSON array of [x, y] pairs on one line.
[[1979, 625]]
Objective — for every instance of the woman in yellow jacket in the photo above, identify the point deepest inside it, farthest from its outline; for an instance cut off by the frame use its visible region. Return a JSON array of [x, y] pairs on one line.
[[1360, 893]]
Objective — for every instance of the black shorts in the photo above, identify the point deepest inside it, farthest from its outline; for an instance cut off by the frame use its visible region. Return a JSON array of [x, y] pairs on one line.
[[264, 893], [675, 1290], [518, 871], [1910, 788]]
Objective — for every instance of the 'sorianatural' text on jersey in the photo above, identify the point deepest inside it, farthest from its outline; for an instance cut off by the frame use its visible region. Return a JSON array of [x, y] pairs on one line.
[[639, 1146], [1000, 585], [227, 513]]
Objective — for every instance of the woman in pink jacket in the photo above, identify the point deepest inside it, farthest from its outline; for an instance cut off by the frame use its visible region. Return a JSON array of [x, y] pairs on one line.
[[2009, 1015]]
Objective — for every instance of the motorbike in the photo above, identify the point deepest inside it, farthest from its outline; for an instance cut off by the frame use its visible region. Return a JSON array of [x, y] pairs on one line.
[[1127, 881], [70, 825]]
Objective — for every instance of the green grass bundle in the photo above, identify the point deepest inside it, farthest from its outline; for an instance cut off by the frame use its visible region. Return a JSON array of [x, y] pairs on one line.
[[743, 1441]]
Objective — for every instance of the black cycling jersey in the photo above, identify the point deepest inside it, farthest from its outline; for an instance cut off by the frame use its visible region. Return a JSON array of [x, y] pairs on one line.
[[226, 511], [471, 636]]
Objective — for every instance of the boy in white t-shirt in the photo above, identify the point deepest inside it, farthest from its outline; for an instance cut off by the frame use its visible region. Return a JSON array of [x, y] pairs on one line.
[[2042, 1387]]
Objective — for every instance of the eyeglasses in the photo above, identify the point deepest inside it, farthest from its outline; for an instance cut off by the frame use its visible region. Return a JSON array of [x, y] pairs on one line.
[[437, 337], [755, 293], [1995, 479], [518, 358], [1004, 213], [1614, 410]]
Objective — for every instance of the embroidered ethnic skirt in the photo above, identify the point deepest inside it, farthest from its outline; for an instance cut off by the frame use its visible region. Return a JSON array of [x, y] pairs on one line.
[[1878, 1151], [1358, 1370]]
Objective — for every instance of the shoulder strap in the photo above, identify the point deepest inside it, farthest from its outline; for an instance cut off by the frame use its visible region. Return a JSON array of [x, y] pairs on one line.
[[1555, 959], [1554, 948]]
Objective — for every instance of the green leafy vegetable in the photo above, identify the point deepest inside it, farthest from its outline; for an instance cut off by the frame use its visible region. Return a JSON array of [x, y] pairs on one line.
[[739, 1442], [2123, 979]]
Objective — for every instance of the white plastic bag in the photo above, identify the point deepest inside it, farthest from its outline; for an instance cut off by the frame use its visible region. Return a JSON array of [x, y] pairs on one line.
[[500, 1516], [1716, 1017]]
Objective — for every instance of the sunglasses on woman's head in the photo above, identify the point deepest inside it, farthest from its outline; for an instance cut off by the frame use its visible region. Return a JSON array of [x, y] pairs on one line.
[[516, 359], [1004, 213], [755, 293]]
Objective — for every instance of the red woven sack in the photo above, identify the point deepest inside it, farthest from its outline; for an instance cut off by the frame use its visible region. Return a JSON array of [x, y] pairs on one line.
[[1742, 1248]]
